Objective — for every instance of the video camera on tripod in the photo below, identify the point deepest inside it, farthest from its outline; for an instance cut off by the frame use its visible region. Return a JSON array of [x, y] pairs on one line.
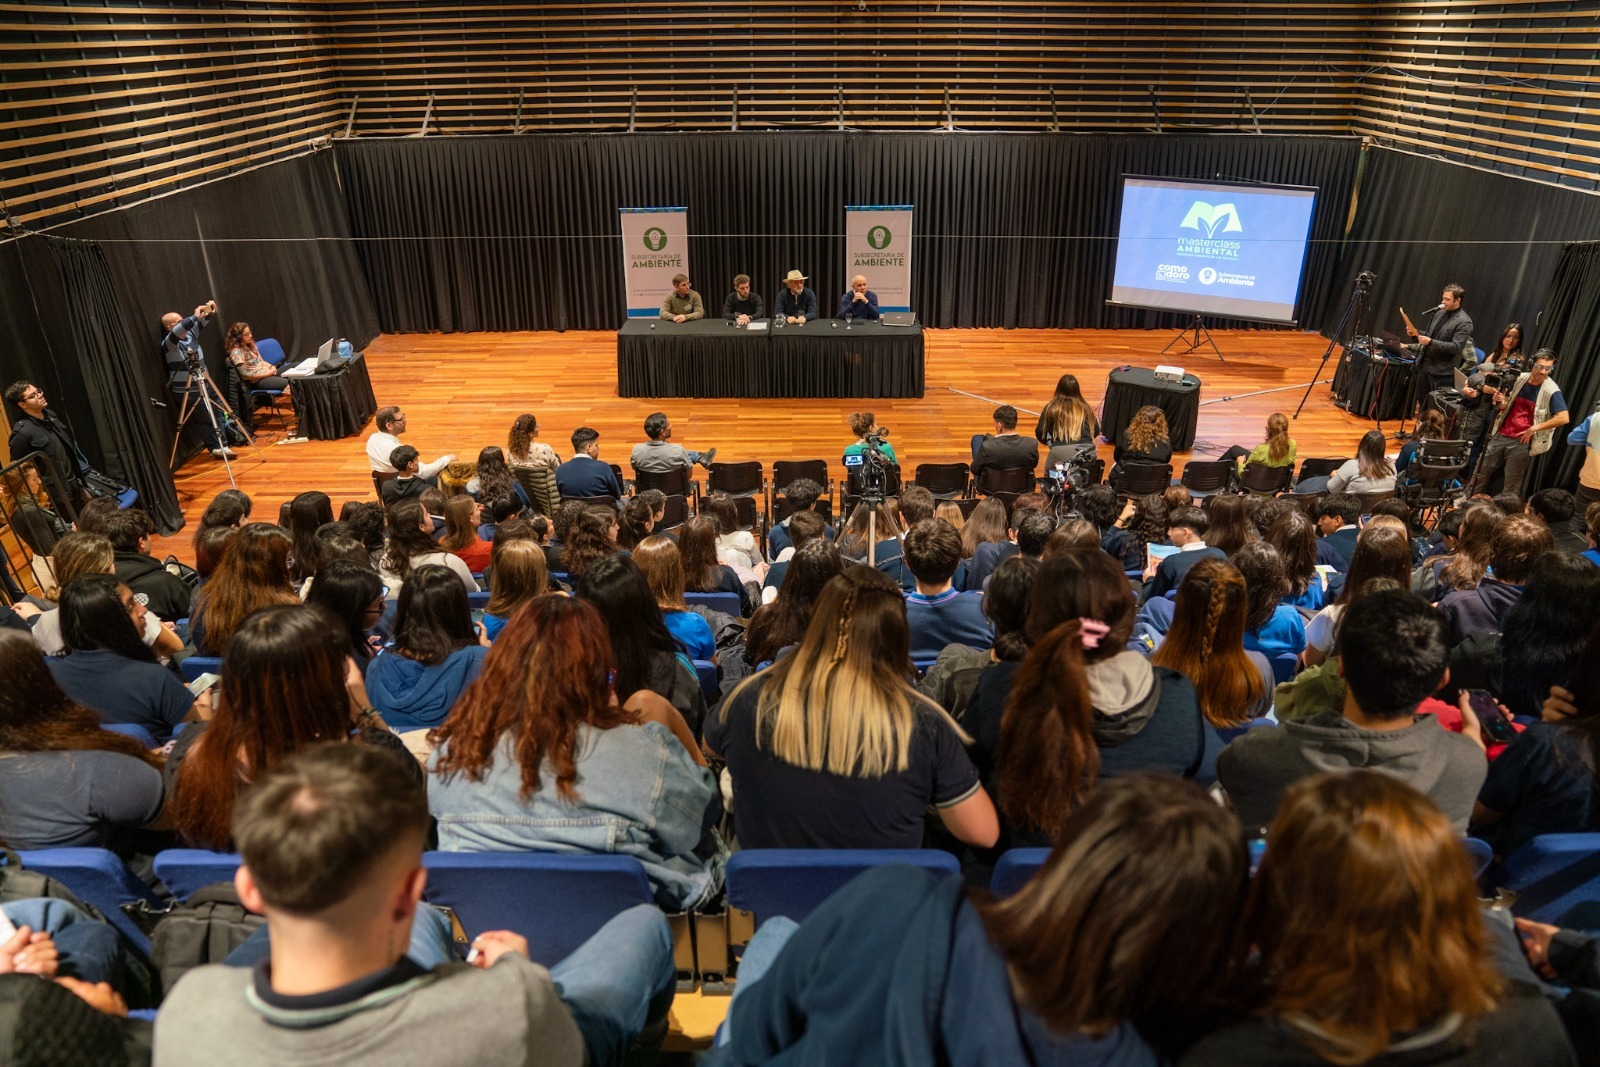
[[1063, 479], [871, 466]]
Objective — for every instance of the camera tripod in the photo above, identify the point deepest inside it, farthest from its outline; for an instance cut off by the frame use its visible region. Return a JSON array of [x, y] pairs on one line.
[[201, 385]]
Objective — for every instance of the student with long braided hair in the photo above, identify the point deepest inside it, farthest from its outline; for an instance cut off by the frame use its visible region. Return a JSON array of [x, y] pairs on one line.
[[1079, 707], [1206, 645]]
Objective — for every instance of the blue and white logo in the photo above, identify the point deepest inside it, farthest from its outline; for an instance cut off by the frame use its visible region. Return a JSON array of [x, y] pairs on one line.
[[1223, 217], [1207, 276]]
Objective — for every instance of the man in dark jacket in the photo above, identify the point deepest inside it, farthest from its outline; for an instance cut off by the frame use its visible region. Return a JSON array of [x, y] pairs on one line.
[[36, 429], [1005, 448], [166, 594], [1442, 348]]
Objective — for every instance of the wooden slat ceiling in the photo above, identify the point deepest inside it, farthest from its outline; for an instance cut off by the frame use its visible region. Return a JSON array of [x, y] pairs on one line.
[[108, 104]]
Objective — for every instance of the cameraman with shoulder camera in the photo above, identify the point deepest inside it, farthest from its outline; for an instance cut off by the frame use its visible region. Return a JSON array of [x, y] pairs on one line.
[[180, 346], [1529, 411]]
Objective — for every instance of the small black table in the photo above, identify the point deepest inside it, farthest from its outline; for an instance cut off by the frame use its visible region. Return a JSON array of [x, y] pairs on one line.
[[826, 358], [330, 406], [1130, 388]]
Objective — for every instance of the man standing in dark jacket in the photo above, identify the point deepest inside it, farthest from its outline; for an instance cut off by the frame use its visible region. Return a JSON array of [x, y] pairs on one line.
[[39, 430], [1447, 342]]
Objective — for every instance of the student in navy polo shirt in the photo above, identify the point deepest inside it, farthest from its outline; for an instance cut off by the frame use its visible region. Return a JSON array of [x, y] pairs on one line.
[[936, 613]]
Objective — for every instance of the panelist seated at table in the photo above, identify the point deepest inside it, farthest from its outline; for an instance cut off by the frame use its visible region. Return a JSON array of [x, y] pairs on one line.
[[860, 302], [796, 303], [741, 305], [584, 475], [683, 304]]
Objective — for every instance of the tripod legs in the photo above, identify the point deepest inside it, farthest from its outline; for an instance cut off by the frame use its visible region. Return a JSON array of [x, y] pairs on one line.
[[1198, 327]]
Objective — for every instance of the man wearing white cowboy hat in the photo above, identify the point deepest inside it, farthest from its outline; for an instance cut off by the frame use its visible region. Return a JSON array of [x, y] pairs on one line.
[[796, 303]]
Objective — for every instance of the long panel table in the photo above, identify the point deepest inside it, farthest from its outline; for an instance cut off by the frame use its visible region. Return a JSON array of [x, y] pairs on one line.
[[710, 358]]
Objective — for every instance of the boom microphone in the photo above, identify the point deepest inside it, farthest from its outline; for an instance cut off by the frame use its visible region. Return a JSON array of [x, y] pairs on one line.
[[1436, 307]]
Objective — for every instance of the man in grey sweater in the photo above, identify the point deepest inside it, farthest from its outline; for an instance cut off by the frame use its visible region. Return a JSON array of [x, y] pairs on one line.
[[331, 845], [1393, 653]]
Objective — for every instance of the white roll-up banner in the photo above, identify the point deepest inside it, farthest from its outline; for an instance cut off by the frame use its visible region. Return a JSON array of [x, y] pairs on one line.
[[655, 246], [877, 242]]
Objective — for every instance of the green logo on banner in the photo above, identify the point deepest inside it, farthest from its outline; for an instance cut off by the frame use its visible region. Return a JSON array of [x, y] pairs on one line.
[[655, 238], [879, 237]]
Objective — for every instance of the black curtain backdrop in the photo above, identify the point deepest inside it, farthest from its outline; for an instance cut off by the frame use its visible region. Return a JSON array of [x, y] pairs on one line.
[[271, 245], [522, 233], [1571, 326], [1423, 223], [116, 382]]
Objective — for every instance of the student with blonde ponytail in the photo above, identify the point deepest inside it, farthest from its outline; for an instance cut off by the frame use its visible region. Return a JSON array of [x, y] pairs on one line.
[[832, 747], [1278, 450], [1080, 707]]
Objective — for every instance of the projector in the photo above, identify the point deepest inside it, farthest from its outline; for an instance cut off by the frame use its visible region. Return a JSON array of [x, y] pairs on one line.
[[1169, 374]]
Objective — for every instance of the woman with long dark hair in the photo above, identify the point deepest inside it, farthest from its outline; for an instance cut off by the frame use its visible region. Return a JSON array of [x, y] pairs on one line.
[[1363, 942], [1369, 472], [1205, 644], [494, 479], [108, 667], [209, 548], [1381, 552], [287, 684], [1078, 707], [646, 655], [636, 522], [1098, 505], [1466, 567], [1228, 526], [543, 753], [1292, 534], [1272, 627], [1075, 968], [437, 652], [353, 593], [254, 573], [245, 358], [832, 747], [782, 623], [736, 547], [68, 782], [78, 554], [1545, 782], [1146, 526], [702, 571], [308, 513], [1430, 427], [411, 545]]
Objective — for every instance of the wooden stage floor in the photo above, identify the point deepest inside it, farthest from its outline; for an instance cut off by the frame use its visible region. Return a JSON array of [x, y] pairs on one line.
[[461, 392]]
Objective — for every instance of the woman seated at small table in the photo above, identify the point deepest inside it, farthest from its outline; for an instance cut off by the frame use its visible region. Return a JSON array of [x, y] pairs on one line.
[[246, 360]]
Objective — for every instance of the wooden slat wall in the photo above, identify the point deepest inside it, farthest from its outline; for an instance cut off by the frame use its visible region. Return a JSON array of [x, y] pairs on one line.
[[110, 104], [1507, 85]]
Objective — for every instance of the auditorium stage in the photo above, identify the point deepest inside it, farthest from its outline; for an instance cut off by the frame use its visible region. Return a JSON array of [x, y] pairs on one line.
[[461, 392]]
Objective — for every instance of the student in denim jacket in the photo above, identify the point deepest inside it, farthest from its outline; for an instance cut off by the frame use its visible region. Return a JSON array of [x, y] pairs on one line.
[[540, 754]]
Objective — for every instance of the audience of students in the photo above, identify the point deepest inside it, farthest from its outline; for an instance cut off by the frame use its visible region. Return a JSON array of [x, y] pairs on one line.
[[586, 728]]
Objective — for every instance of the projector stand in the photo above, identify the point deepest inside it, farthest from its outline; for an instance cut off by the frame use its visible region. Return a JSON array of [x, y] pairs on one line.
[[1199, 328]]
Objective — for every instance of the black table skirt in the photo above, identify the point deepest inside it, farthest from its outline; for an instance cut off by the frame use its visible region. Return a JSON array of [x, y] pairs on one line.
[[819, 359], [1374, 386], [1131, 388], [330, 406]]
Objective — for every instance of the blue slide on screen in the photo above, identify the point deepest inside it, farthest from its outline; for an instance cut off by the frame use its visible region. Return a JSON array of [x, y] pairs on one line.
[[1214, 248]]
